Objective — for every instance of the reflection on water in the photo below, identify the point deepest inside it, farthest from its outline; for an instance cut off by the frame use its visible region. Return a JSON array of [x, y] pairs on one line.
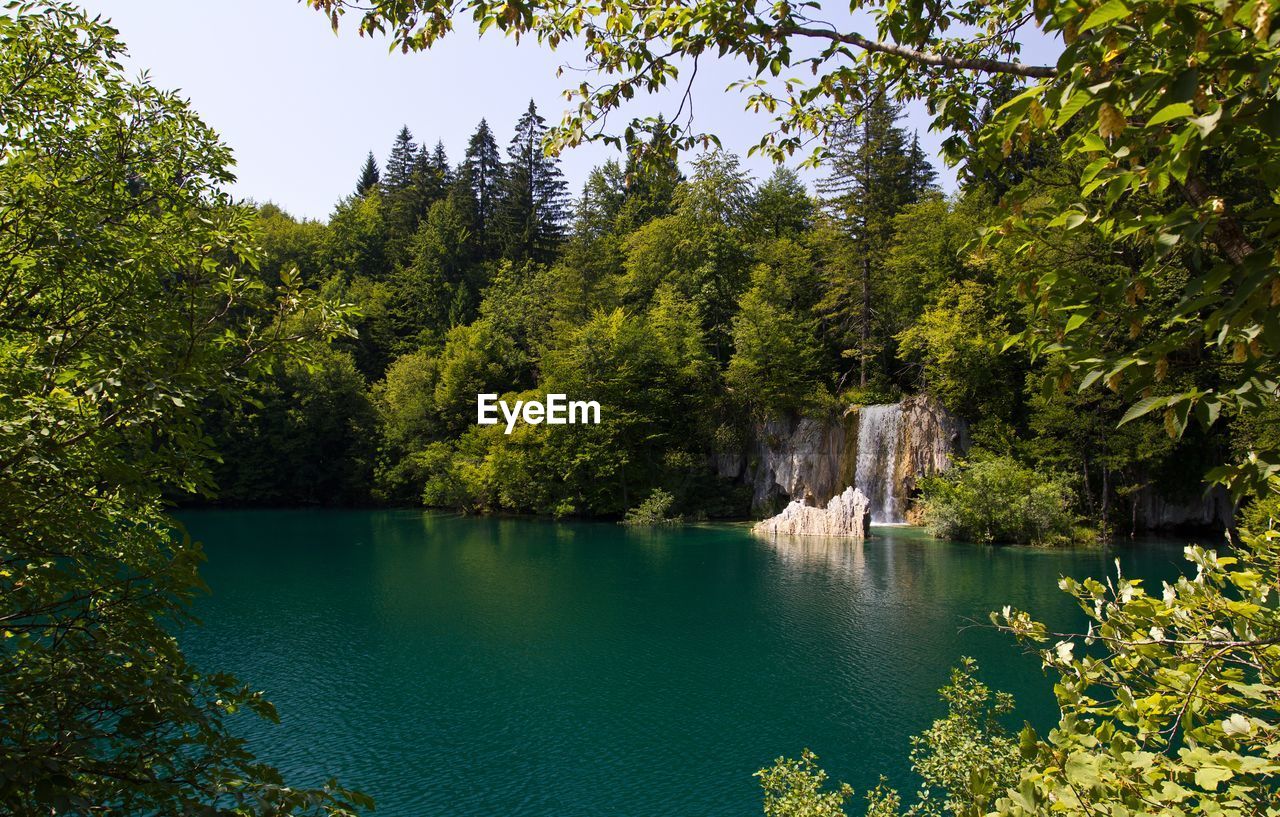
[[831, 554], [483, 666]]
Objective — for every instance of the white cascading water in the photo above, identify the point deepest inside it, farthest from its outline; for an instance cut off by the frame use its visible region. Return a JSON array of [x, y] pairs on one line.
[[879, 430]]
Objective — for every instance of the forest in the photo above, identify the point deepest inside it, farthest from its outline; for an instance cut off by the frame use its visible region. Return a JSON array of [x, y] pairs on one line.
[[1100, 298], [692, 307]]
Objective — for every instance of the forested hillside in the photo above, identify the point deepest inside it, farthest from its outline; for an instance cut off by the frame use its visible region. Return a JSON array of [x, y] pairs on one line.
[[692, 308]]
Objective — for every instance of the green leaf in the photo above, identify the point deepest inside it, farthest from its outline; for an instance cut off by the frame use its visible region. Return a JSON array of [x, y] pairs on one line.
[[1104, 14], [1208, 123], [1177, 110], [1269, 120], [1094, 168], [1072, 107], [1143, 407], [1209, 777]]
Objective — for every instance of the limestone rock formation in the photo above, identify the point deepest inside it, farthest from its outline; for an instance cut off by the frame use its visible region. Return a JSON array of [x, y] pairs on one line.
[[931, 438], [882, 450], [847, 515], [801, 460]]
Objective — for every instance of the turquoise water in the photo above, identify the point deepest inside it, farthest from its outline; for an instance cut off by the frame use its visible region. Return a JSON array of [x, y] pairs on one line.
[[459, 666]]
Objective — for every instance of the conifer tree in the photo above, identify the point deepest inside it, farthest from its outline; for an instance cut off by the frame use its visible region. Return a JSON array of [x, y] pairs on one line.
[[603, 196], [428, 184], [370, 176], [440, 163], [534, 206], [921, 177], [401, 161], [410, 187], [874, 175], [480, 177]]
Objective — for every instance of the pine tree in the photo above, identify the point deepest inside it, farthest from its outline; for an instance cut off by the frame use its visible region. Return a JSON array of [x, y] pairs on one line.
[[603, 196], [410, 187], [370, 176], [921, 176], [400, 164], [534, 206], [429, 183], [874, 175], [480, 176], [440, 164]]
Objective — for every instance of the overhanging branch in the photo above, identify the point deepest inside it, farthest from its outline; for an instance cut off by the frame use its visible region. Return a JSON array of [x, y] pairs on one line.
[[988, 66]]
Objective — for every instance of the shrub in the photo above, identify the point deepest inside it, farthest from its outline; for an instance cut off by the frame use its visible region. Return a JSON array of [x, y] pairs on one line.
[[996, 500], [1262, 514], [1174, 709], [965, 761], [798, 788], [653, 511]]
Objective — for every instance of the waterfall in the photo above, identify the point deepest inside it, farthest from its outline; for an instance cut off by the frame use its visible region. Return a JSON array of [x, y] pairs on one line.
[[879, 434]]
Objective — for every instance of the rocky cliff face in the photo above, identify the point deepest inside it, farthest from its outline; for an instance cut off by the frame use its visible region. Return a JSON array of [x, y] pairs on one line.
[[884, 451], [847, 515], [881, 450], [802, 460], [1212, 509], [931, 438]]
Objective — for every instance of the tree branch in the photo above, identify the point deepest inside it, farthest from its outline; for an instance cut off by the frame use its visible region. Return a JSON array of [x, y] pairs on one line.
[[988, 66], [1228, 236]]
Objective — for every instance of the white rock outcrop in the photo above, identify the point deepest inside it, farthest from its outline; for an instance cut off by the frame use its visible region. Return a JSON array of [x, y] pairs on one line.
[[847, 515], [813, 460]]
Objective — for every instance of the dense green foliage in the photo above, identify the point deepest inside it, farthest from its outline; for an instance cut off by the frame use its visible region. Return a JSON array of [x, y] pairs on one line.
[[1152, 242], [1126, 202], [994, 500], [129, 297], [798, 788], [965, 760], [1168, 700], [654, 510], [693, 309]]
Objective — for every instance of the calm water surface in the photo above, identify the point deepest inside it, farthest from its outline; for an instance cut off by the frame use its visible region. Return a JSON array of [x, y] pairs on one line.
[[457, 666]]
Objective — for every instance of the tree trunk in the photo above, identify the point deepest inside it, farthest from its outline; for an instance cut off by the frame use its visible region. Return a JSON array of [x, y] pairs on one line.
[[1088, 489], [866, 318], [1106, 496], [1228, 237]]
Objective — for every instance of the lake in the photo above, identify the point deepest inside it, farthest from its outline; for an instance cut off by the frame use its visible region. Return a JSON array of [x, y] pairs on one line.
[[464, 666]]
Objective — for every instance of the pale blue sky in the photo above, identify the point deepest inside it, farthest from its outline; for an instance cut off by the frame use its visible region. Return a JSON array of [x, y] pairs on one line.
[[301, 107]]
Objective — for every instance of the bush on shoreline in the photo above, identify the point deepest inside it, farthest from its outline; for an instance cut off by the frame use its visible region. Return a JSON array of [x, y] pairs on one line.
[[997, 501], [655, 510]]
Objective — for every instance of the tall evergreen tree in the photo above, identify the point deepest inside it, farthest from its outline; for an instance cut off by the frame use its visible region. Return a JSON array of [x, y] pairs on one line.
[[921, 177], [480, 176], [603, 196], [440, 163], [409, 186], [534, 206], [429, 182], [875, 173], [401, 161], [370, 176]]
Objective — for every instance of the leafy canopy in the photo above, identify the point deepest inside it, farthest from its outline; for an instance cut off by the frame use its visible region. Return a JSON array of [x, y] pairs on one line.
[[1146, 94], [128, 297]]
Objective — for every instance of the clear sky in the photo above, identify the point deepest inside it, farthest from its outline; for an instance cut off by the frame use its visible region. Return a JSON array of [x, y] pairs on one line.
[[302, 107]]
